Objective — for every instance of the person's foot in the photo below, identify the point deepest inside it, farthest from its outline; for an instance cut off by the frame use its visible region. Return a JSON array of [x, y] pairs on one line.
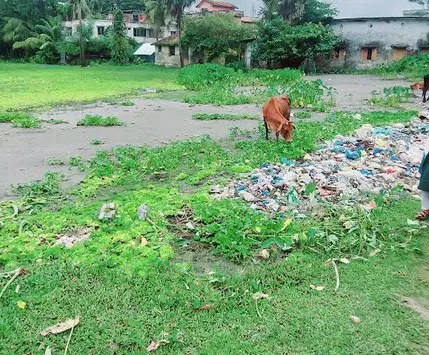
[[423, 215]]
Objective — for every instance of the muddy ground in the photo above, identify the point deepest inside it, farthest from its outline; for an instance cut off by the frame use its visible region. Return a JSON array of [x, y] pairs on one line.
[[25, 153]]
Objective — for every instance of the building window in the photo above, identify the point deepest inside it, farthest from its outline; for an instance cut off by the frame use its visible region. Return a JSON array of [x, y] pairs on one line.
[[143, 32], [340, 54], [398, 52], [172, 51], [136, 18], [173, 33], [369, 54], [159, 49], [101, 30]]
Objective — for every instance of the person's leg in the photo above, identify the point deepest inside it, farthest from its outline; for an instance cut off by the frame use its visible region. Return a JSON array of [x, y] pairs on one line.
[[424, 214], [425, 200]]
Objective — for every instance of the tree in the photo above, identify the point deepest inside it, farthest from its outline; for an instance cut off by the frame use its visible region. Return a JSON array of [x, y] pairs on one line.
[[120, 46], [80, 9], [48, 40], [216, 34], [288, 10], [280, 44], [299, 11], [176, 8], [161, 10], [157, 10]]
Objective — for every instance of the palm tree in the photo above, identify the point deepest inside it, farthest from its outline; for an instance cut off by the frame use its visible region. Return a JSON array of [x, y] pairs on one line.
[[289, 10], [176, 9], [49, 37], [157, 11], [17, 30], [80, 9]]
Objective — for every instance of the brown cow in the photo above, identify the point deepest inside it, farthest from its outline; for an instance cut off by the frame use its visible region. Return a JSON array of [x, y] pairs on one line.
[[276, 113]]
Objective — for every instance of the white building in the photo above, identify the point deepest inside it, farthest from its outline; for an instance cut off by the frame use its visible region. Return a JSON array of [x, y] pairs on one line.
[[137, 26]]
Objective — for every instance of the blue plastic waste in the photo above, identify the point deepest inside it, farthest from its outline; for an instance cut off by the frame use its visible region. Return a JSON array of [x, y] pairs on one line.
[[382, 131], [286, 161], [353, 155]]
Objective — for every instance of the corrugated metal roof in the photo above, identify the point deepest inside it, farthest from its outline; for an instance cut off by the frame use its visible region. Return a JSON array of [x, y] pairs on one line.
[[145, 49]]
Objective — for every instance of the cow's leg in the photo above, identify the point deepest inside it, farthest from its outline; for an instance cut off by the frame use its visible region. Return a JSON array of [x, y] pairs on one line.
[[266, 130], [425, 89], [277, 136]]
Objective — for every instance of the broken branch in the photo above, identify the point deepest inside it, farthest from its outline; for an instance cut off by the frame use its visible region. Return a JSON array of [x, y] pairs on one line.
[[337, 276], [15, 275]]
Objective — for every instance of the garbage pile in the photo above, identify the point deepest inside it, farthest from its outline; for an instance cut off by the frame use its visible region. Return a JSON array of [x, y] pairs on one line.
[[371, 160]]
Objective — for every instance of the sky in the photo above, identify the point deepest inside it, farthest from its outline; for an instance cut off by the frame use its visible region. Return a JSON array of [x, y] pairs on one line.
[[347, 8]]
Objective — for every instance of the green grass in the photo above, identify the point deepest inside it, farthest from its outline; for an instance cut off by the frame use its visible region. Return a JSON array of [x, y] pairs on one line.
[[223, 116], [303, 114], [20, 120], [96, 141], [123, 313], [130, 293], [97, 120], [32, 85], [56, 161]]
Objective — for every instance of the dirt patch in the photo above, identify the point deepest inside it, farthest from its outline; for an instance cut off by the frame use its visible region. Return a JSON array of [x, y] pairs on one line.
[[184, 225], [419, 305]]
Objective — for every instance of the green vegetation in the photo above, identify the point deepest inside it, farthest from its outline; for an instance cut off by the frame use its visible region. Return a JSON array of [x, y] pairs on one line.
[[225, 86], [393, 97], [56, 161], [129, 260], [96, 141], [121, 49], [216, 35], [30, 85], [223, 116], [303, 114], [20, 120], [414, 67], [77, 162], [97, 120]]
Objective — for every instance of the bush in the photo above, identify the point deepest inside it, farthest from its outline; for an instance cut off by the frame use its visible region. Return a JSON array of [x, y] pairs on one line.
[[200, 76], [96, 120]]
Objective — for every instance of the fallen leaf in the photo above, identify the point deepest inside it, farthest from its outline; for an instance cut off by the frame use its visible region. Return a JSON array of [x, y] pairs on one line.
[[286, 224], [260, 296], [153, 346], [207, 307], [264, 254], [190, 226], [21, 304], [374, 252], [355, 320], [143, 242], [345, 261], [48, 351], [17, 288], [317, 288], [60, 327]]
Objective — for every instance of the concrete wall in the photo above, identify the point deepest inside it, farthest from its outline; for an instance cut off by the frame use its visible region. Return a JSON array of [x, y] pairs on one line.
[[129, 29], [164, 57], [389, 38]]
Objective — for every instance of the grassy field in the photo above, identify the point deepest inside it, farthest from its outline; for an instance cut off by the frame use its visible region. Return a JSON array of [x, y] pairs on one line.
[[26, 86], [201, 290]]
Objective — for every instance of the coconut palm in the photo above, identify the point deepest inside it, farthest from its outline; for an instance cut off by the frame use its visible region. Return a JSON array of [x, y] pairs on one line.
[[48, 37], [289, 10], [176, 9], [80, 10], [17, 30], [157, 12]]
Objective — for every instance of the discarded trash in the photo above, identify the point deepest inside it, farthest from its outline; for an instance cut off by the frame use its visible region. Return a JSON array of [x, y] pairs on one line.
[[70, 239], [142, 212], [107, 212], [371, 160], [355, 320]]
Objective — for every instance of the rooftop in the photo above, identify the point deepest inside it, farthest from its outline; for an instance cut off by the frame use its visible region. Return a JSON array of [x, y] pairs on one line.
[[218, 4]]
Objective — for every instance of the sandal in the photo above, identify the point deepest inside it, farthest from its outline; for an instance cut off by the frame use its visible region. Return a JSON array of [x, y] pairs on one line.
[[423, 215]]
